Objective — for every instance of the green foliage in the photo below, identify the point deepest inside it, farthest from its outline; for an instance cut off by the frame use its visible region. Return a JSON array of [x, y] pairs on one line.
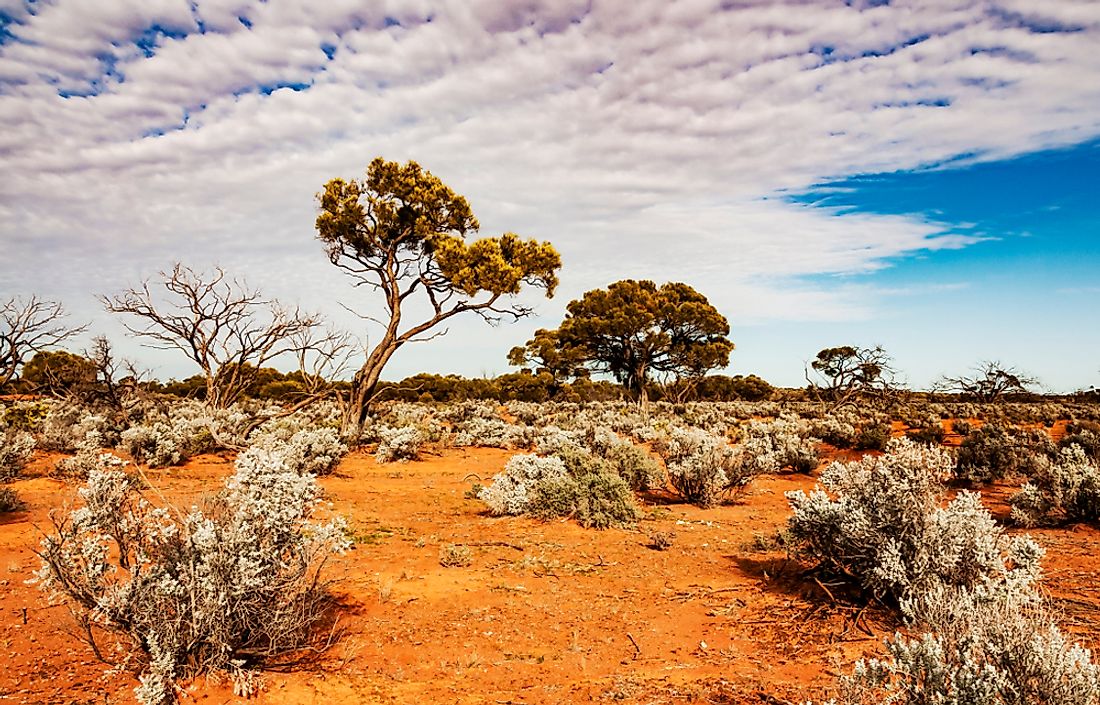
[[635, 330], [596, 497], [990, 453], [402, 230], [25, 416], [58, 372], [873, 437]]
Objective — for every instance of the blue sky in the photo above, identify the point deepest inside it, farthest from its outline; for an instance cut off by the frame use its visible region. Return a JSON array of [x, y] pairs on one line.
[[916, 175]]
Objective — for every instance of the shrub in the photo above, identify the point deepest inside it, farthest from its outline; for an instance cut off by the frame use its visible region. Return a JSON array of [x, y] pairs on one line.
[[1066, 489], [989, 454], [638, 468], [1088, 440], [926, 429], [886, 528], [398, 444], [452, 555], [702, 466], [771, 447], [220, 587], [316, 451], [961, 427], [86, 460], [873, 437], [155, 445], [835, 432], [508, 493], [597, 499], [9, 500], [16, 448], [982, 648]]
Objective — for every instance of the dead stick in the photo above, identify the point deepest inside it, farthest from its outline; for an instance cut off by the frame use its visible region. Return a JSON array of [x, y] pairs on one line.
[[637, 649]]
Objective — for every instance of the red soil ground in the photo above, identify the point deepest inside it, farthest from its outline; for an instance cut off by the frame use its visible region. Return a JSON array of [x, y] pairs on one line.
[[546, 612]]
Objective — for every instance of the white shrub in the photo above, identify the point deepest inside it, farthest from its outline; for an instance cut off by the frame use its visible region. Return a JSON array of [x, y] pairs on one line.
[[399, 444], [16, 448], [982, 646], [510, 489], [214, 588], [886, 528], [701, 466], [86, 461], [769, 447], [1068, 489], [316, 451]]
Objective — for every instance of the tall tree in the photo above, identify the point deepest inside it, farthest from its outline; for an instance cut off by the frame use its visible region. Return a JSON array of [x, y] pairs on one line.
[[28, 326], [401, 232], [226, 328], [638, 332]]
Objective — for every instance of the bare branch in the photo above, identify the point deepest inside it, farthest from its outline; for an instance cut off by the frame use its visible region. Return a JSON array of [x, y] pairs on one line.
[[229, 330], [28, 326]]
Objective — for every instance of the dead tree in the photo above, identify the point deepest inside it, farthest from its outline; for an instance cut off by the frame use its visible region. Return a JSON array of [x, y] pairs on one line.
[[29, 326], [990, 382], [226, 328], [844, 374]]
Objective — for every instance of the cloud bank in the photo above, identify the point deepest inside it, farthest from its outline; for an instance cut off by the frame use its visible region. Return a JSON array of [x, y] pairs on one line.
[[645, 139]]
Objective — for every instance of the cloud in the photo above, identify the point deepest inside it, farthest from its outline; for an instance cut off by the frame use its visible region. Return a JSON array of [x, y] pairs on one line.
[[642, 138]]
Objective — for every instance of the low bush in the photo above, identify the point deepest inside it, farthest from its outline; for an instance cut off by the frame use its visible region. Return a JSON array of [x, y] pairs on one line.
[[398, 444], [16, 448], [979, 647], [9, 500], [885, 527], [509, 492], [597, 498], [873, 437], [1064, 490], [231, 585], [778, 445], [702, 466], [316, 451], [988, 454], [86, 461]]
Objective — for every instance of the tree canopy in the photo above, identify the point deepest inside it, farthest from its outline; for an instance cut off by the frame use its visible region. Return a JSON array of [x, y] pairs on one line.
[[843, 373], [637, 332], [401, 231]]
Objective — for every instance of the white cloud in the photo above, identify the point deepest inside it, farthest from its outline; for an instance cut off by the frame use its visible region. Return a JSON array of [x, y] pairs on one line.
[[643, 138]]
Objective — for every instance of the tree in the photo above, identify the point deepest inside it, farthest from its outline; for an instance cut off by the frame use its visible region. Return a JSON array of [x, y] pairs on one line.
[[29, 326], [989, 382], [636, 331], [401, 232], [58, 373], [229, 330], [544, 353], [845, 373]]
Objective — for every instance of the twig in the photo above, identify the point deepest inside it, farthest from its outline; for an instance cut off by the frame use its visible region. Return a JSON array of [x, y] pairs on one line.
[[637, 649]]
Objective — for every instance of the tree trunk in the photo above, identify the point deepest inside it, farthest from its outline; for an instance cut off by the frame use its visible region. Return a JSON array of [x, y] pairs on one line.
[[363, 386]]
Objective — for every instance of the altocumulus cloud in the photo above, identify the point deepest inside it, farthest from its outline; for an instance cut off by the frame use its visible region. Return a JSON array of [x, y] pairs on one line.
[[643, 138]]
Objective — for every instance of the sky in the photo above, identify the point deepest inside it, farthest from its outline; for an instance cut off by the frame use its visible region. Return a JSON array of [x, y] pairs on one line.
[[918, 175]]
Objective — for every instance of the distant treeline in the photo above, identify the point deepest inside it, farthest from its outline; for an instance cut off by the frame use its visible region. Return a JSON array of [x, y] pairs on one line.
[[62, 373]]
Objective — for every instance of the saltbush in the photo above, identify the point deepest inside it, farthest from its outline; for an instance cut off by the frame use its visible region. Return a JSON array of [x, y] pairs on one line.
[[1064, 490], [224, 586], [980, 647], [773, 446], [988, 454], [510, 489], [317, 451], [885, 526], [16, 448], [398, 444], [702, 466]]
